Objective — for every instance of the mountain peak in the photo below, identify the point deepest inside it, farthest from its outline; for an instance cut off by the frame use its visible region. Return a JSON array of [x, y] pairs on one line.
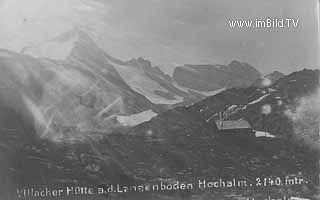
[[144, 62], [235, 62], [61, 46], [57, 48], [66, 36], [74, 32], [276, 74], [213, 77]]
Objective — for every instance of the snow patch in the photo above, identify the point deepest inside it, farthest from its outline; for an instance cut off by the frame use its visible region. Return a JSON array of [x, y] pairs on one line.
[[298, 198], [271, 90], [258, 100], [209, 93], [142, 84], [232, 107], [176, 85], [264, 134], [135, 119], [212, 93]]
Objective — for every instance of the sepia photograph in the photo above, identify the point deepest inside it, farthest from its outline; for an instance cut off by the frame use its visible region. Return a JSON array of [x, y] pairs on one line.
[[160, 100]]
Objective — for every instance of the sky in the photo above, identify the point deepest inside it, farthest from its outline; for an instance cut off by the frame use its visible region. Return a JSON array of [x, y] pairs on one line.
[[172, 32]]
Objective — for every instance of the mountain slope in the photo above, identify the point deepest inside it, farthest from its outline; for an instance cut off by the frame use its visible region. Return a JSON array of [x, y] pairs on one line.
[[76, 48], [181, 144], [284, 109], [268, 79], [139, 74], [81, 93]]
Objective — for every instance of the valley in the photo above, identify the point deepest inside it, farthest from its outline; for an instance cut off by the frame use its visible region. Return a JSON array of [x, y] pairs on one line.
[[91, 119]]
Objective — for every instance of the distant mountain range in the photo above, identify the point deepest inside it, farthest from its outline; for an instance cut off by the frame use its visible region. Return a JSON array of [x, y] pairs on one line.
[[69, 82], [212, 77]]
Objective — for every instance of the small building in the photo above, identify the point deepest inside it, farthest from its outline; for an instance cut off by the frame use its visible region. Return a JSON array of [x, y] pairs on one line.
[[240, 128]]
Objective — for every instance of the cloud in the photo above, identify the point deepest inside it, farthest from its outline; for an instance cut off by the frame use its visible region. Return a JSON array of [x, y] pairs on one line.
[[196, 31], [83, 7], [25, 23], [305, 116]]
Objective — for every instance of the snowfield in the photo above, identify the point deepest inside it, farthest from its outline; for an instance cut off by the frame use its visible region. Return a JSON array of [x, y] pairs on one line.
[[264, 134], [135, 119], [142, 84], [211, 93], [258, 100]]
